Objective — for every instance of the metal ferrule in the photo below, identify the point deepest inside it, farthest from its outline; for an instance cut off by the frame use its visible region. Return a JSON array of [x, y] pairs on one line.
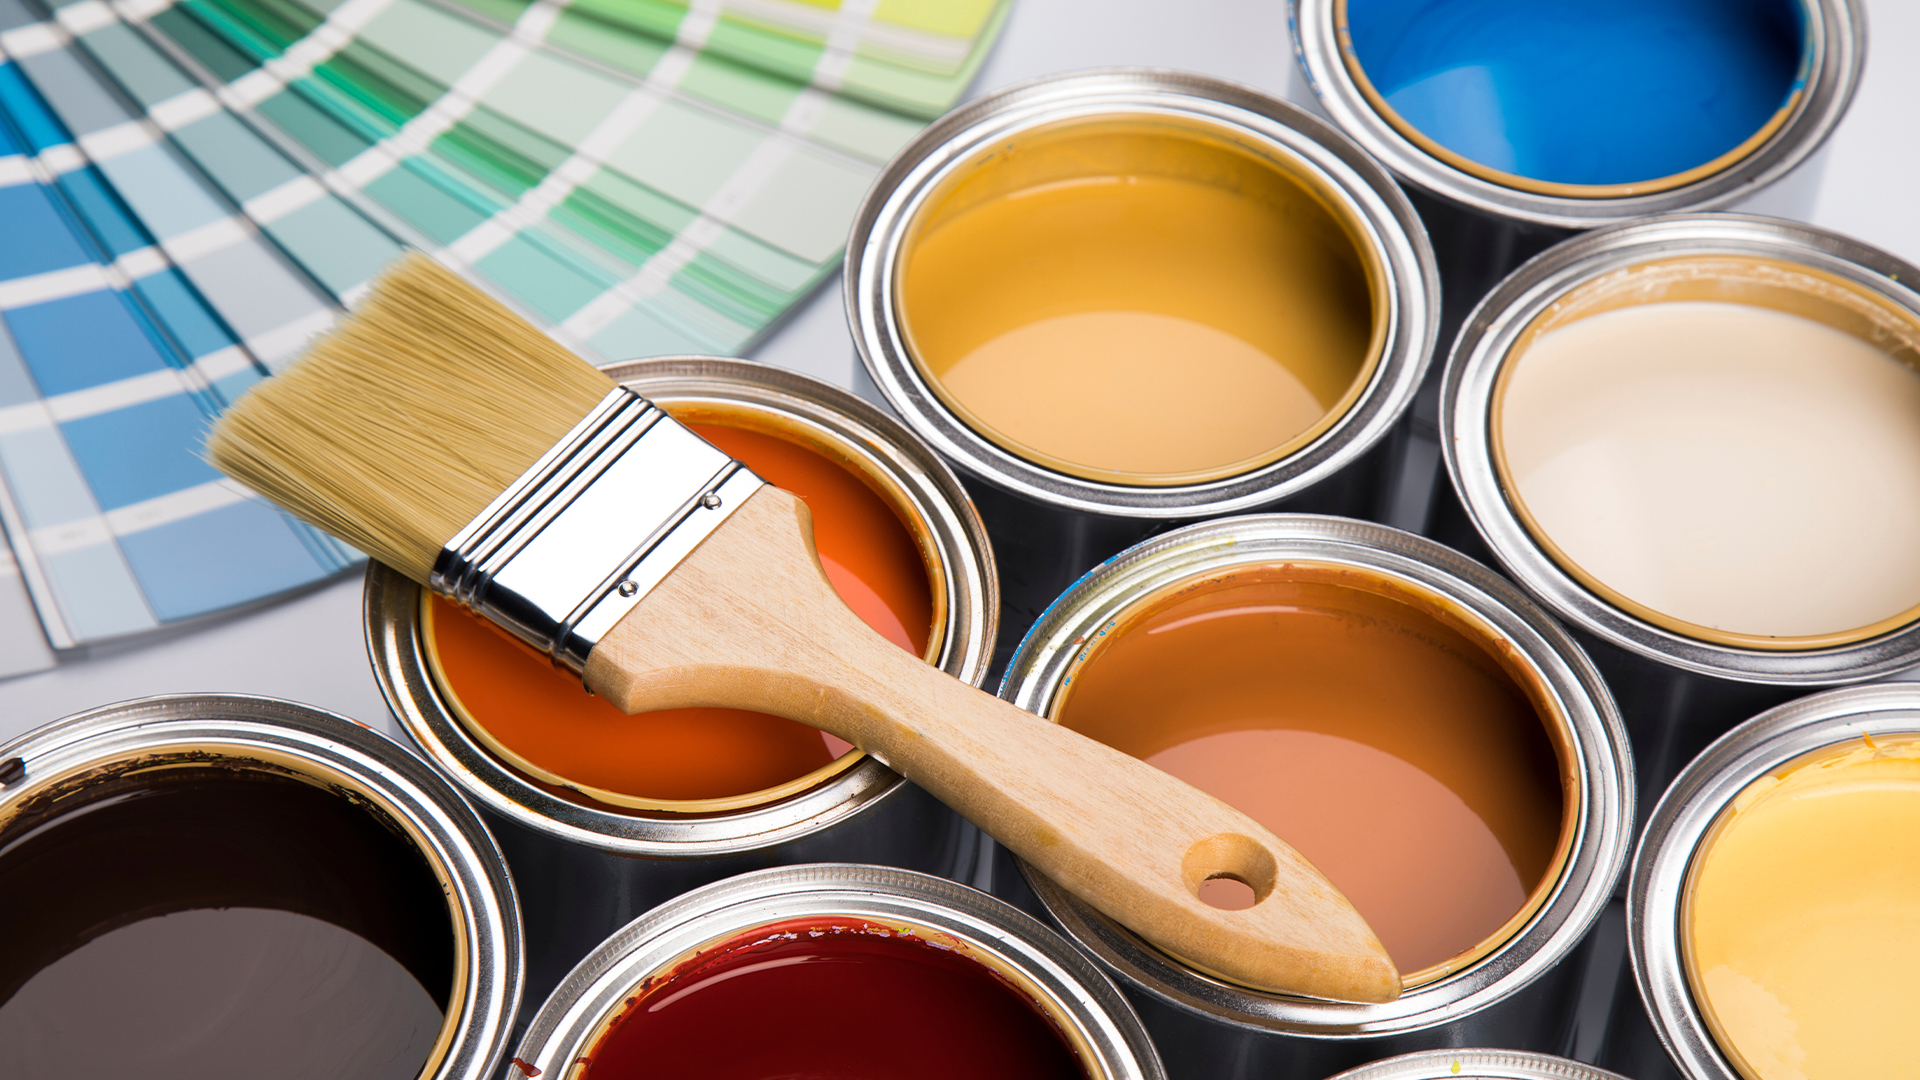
[[581, 537]]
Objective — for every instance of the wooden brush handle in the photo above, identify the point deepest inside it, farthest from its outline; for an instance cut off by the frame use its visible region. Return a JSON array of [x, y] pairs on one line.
[[749, 621]]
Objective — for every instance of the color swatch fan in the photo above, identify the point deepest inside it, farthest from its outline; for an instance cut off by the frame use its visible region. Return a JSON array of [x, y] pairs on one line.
[[218, 178]]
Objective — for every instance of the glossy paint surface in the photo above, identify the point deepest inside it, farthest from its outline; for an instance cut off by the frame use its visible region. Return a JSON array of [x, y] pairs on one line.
[[1578, 92], [541, 715], [207, 921], [1383, 744], [845, 1000], [1130, 306], [1803, 918], [1729, 465]]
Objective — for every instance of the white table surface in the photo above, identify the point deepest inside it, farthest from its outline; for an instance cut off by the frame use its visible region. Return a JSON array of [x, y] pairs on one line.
[[310, 649]]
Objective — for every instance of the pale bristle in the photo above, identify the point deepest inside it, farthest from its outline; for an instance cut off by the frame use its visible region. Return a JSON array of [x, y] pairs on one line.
[[400, 425]]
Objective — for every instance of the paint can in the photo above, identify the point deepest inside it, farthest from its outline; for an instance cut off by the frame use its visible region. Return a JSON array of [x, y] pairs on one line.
[[1747, 804], [1701, 461], [811, 913], [223, 883], [1291, 626], [1515, 125], [594, 846], [1477, 1064], [1021, 272]]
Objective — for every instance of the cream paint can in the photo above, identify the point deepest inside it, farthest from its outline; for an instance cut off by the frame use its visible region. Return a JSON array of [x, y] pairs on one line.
[[1772, 908], [1692, 438], [1120, 300], [604, 815], [1262, 657]]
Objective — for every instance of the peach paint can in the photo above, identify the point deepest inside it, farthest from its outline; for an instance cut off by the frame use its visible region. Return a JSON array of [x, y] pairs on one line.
[[1410, 722]]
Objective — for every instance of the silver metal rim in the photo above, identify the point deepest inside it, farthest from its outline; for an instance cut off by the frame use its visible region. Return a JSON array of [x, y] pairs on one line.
[[1836, 51], [1471, 1064], [1599, 743], [1393, 230], [1466, 438], [1076, 993], [448, 832], [398, 652], [1688, 809]]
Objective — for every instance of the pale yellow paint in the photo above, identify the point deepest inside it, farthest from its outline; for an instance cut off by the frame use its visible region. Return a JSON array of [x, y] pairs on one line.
[[1802, 924]]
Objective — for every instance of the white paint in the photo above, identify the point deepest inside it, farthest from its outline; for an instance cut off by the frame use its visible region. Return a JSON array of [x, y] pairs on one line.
[[1727, 465]]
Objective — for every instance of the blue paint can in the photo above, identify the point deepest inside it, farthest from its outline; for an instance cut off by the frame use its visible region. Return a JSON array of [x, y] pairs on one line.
[[1577, 113]]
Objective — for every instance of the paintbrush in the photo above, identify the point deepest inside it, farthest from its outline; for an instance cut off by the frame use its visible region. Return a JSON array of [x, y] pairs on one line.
[[448, 438]]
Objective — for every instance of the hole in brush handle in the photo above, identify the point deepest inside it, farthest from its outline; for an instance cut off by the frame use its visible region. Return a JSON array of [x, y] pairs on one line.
[[1213, 862]]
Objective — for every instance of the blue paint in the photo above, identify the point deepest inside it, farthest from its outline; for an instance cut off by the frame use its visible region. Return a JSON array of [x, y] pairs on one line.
[[1582, 91]]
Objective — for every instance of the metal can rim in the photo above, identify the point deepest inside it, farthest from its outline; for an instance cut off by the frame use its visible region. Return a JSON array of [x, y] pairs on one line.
[[1469, 1063], [1597, 737], [400, 665], [1410, 272], [1075, 990], [1689, 808], [1837, 47], [445, 827], [1481, 349]]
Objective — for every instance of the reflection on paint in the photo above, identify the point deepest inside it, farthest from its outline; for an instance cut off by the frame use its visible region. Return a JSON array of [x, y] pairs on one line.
[[1578, 92], [1803, 918], [1135, 305], [1387, 747], [1732, 466], [540, 719]]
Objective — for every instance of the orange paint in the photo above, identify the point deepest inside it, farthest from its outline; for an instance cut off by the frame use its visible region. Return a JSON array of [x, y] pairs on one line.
[[1385, 745], [543, 716]]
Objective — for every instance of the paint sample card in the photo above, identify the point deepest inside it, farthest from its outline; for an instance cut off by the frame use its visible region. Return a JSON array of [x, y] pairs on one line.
[[220, 177], [112, 362], [911, 56], [629, 215]]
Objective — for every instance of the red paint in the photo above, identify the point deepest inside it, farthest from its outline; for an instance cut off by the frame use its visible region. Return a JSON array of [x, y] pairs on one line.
[[525, 1068], [843, 999]]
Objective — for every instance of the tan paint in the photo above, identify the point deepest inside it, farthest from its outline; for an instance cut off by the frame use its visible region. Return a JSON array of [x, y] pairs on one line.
[[1135, 302], [1802, 918], [1727, 447], [1362, 723]]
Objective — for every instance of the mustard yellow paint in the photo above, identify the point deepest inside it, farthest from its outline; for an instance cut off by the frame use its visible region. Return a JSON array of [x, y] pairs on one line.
[[1138, 303], [1802, 924]]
